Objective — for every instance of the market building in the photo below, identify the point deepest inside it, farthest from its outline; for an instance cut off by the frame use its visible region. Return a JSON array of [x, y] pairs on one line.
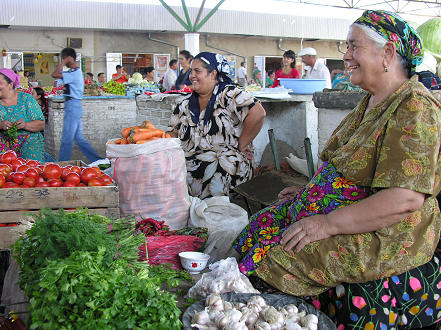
[[106, 34]]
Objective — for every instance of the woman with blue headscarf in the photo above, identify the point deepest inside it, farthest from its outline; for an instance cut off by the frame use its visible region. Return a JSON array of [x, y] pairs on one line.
[[364, 234], [216, 125]]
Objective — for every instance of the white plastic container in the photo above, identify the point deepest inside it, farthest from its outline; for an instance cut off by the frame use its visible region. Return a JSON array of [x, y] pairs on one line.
[[194, 262]]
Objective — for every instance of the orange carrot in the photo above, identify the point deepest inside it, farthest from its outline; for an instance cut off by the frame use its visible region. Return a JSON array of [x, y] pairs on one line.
[[124, 141], [147, 124], [126, 131], [146, 135], [167, 135], [117, 141], [147, 140]]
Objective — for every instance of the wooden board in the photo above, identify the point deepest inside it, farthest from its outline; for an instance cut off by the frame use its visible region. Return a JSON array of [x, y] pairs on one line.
[[58, 197], [8, 235]]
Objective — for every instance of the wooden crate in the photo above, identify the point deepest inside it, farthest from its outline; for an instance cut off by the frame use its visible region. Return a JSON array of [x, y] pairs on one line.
[[16, 202]]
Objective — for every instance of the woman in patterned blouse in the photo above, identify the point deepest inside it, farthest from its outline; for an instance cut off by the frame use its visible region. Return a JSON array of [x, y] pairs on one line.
[[216, 124], [364, 234]]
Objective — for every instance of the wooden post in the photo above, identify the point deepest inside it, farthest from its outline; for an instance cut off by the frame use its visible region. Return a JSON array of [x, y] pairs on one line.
[[309, 158], [274, 148]]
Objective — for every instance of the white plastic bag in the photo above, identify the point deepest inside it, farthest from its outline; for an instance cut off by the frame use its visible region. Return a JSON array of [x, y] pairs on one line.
[[224, 221], [224, 277], [152, 180]]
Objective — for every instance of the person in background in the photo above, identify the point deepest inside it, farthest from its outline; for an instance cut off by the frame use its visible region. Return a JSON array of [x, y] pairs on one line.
[[257, 77], [315, 69], [183, 79], [38, 94], [20, 109], [170, 76], [150, 77], [101, 79], [88, 80], [337, 75], [73, 109], [120, 76], [427, 73], [242, 75], [216, 125], [364, 233], [270, 79], [288, 69]]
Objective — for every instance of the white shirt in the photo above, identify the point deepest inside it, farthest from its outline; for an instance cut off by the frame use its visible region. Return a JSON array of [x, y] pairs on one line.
[[169, 79], [241, 73], [319, 71]]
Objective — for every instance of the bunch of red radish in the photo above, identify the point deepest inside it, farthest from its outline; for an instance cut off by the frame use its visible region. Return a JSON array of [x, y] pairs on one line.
[[16, 172]]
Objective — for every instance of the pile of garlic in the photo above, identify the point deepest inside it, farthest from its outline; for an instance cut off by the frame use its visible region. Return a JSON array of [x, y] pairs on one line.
[[255, 314]]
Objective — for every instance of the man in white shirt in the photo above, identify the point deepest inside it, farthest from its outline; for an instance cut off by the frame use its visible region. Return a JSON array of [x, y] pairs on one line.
[[170, 75], [242, 75], [316, 70]]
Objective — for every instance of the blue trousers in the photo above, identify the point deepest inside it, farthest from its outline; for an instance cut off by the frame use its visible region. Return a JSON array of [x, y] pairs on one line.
[[73, 130]]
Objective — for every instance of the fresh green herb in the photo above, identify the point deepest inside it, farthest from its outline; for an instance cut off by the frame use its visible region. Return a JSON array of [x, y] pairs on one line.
[[12, 133], [82, 292], [104, 166]]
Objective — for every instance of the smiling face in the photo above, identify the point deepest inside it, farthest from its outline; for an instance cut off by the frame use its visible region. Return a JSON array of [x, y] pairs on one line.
[[363, 59], [202, 81], [286, 61]]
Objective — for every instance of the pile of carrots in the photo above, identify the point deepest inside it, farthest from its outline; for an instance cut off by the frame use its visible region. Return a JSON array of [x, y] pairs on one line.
[[141, 134]]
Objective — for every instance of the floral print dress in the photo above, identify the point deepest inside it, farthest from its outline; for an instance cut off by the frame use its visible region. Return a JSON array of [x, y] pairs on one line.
[[389, 278], [27, 108], [214, 162]]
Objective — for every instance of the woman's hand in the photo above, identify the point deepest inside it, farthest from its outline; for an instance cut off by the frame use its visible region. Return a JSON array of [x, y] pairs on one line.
[[305, 231], [20, 124], [288, 194], [247, 151], [5, 125]]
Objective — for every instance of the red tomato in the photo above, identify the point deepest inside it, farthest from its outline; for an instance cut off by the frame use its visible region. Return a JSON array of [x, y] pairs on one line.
[[39, 179], [51, 171], [64, 172], [18, 177], [107, 180], [21, 159], [73, 177], [40, 169], [9, 177], [15, 164], [88, 174], [43, 184], [10, 185], [95, 182], [55, 182], [81, 185], [69, 184], [97, 169], [2, 180], [32, 163], [8, 156], [75, 169], [29, 181], [22, 168], [5, 169], [32, 173]]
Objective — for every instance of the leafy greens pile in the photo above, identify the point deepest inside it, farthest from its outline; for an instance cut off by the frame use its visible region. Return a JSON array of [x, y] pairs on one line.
[[81, 271]]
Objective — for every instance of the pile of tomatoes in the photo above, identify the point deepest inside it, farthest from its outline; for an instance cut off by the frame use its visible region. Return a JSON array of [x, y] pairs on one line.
[[16, 172]]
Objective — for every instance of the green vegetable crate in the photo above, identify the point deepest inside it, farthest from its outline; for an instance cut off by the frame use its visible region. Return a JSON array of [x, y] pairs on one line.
[[15, 203]]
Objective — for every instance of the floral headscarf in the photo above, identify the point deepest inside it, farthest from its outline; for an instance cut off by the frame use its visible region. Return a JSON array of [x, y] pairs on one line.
[[219, 63], [393, 28]]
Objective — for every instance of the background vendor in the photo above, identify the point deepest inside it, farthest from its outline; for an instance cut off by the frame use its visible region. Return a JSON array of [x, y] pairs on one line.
[[216, 125]]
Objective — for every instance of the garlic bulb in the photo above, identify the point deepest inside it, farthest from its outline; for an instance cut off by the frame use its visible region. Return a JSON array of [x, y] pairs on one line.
[[233, 314], [292, 325], [201, 318], [228, 305], [262, 325], [213, 314], [222, 320], [236, 326], [212, 299], [257, 300], [272, 316], [255, 308], [310, 321], [291, 309]]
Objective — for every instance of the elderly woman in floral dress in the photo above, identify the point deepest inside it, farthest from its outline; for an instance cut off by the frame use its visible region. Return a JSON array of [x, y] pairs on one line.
[[364, 234], [216, 124]]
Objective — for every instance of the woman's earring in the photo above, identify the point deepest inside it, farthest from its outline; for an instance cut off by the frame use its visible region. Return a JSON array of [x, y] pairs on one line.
[[386, 69]]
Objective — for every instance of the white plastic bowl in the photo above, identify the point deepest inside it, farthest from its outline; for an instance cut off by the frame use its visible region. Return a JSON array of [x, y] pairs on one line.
[[194, 262]]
